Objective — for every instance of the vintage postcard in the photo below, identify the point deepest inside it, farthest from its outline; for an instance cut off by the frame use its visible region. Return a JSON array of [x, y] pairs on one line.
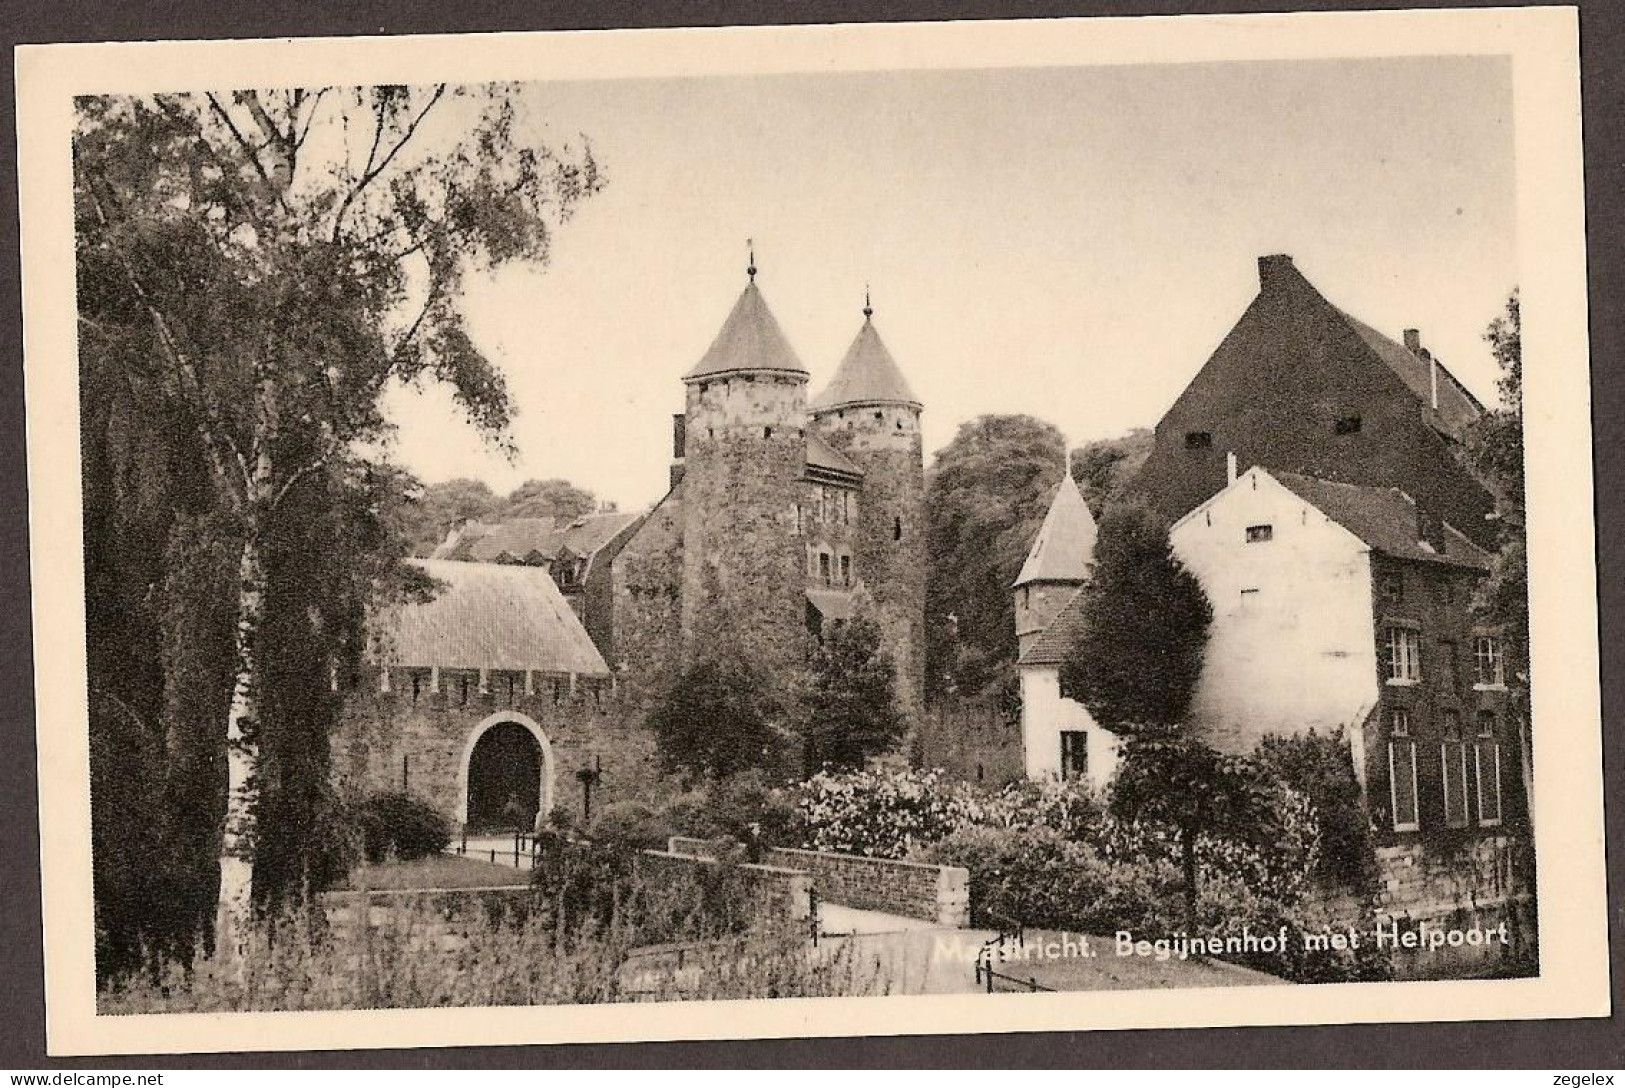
[[860, 529]]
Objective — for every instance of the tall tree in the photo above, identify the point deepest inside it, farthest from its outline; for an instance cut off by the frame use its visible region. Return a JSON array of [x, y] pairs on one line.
[[1104, 467], [554, 498], [986, 497], [269, 262], [1146, 619], [1496, 447], [851, 710]]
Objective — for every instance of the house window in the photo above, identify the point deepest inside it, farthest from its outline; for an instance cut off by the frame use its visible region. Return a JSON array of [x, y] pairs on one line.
[[1453, 769], [1347, 424], [1488, 662], [1484, 723], [823, 567], [1392, 586], [1404, 655], [846, 570], [897, 528], [1258, 534], [1074, 754], [1198, 440], [1487, 772], [1402, 772]]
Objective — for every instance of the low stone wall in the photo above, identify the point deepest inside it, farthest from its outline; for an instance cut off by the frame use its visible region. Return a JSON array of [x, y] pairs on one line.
[[775, 890], [933, 893], [1479, 885]]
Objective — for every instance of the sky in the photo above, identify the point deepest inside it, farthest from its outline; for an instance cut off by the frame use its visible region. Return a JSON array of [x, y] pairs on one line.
[[1070, 243]]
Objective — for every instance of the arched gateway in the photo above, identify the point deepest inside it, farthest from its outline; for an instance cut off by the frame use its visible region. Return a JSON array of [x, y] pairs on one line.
[[506, 777]]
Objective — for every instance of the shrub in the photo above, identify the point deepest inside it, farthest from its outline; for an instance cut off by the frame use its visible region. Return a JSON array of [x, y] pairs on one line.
[[401, 826], [1321, 768]]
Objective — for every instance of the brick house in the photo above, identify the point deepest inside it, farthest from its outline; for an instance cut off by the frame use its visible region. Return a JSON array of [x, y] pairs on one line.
[[1342, 606], [1300, 385]]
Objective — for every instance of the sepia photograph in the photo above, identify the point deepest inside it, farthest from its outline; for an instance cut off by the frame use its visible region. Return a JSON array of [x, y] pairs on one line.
[[1043, 519]]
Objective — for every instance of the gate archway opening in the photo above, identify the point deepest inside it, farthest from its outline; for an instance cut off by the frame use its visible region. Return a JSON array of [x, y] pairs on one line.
[[507, 775]]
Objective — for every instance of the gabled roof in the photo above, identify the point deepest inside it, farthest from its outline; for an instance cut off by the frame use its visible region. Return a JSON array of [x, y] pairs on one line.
[[585, 535], [1054, 646], [821, 454], [487, 616], [1385, 518], [1065, 545], [1458, 408], [517, 538], [750, 340], [867, 375]]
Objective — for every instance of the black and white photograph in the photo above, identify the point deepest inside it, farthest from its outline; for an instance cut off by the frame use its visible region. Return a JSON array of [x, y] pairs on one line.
[[1050, 526]]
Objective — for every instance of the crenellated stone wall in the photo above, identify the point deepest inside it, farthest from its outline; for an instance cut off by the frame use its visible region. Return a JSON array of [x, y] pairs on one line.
[[416, 739]]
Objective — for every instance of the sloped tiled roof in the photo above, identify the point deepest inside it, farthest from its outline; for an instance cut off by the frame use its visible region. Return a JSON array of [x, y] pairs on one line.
[[487, 616], [1054, 646], [518, 538], [750, 340], [1384, 518], [585, 535], [1065, 545], [1457, 407], [867, 375], [821, 454]]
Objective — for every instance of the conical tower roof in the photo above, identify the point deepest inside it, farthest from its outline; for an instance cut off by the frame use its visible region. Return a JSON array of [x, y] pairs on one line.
[[750, 340], [867, 375], [1065, 547]]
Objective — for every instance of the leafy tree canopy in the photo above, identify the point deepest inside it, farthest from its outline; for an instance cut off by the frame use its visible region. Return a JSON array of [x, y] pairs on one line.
[[1147, 622], [851, 698], [718, 719], [986, 496]]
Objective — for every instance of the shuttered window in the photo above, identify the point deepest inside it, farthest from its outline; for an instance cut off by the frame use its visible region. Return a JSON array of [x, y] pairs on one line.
[[1402, 771], [1453, 767], [1487, 765]]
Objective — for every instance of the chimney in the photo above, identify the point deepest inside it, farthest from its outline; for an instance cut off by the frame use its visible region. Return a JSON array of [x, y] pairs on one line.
[[1230, 467], [1272, 269], [1433, 378], [1413, 341], [679, 434], [676, 473]]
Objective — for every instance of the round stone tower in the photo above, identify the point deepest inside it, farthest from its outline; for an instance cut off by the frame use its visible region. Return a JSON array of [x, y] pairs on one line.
[[744, 451], [870, 414]]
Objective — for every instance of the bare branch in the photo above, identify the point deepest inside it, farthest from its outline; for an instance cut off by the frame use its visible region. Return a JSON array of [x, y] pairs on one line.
[[370, 174], [248, 149]]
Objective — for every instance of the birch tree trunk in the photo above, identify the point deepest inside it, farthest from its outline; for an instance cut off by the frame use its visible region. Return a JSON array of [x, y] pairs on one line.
[[234, 912]]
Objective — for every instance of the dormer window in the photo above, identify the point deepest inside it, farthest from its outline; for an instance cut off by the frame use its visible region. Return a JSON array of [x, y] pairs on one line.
[[1347, 424], [1198, 440]]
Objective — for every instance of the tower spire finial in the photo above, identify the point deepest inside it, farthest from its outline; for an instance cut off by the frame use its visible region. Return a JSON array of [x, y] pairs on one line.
[[750, 269], [868, 310]]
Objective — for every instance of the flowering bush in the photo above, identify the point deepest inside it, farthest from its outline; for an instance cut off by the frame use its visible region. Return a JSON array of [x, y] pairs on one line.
[[882, 813]]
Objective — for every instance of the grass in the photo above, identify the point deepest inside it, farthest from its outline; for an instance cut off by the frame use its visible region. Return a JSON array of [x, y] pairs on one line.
[[439, 871]]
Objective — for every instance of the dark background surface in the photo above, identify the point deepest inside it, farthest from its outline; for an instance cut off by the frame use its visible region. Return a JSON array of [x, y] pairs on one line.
[[1575, 1045]]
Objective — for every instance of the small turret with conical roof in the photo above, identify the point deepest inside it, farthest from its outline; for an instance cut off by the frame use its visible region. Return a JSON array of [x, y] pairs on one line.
[[869, 413], [1058, 564]]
